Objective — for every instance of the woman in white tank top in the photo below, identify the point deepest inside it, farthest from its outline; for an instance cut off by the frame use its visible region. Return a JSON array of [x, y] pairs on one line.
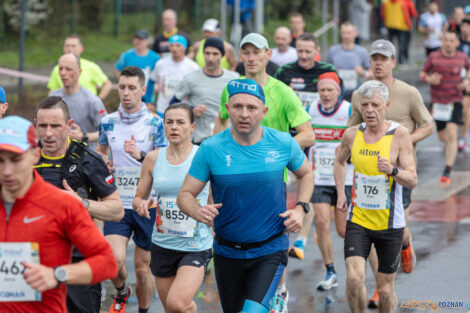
[[181, 246]]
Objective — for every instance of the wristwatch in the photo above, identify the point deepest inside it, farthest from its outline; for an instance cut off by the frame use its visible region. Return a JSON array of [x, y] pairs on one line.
[[60, 275], [394, 171], [304, 205], [85, 203], [84, 137], [142, 156]]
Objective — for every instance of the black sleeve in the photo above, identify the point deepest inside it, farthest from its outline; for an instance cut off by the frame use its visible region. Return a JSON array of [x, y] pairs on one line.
[[156, 44], [271, 68], [98, 176]]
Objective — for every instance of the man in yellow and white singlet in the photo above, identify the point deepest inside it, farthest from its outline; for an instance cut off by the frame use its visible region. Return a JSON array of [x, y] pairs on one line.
[[382, 155]]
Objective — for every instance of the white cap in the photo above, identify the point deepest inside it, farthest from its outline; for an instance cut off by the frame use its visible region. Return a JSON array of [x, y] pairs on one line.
[[211, 25]]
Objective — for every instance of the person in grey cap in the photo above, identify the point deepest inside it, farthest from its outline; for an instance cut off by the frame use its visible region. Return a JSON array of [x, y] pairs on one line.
[[142, 57], [211, 28], [406, 108]]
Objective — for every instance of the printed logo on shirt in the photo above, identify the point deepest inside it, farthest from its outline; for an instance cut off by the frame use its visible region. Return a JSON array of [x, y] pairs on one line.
[[272, 156], [72, 168], [109, 179], [27, 220], [297, 83], [228, 159]]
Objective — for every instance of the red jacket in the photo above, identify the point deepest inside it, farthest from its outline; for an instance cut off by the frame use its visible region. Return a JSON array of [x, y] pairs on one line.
[[65, 222], [409, 11]]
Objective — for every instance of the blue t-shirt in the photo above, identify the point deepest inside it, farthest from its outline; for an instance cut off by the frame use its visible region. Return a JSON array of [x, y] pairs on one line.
[[145, 63], [249, 182]]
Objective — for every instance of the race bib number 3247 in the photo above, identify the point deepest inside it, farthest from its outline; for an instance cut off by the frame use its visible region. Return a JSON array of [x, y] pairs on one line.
[[12, 285]]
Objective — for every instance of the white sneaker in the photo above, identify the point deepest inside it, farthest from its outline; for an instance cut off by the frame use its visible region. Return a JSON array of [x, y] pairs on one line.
[[330, 281]]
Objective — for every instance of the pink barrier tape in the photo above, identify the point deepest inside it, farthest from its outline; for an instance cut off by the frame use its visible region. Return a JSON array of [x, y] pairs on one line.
[[18, 74]]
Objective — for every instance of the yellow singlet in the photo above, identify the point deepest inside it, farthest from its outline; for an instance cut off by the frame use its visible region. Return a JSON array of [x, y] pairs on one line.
[[377, 202]]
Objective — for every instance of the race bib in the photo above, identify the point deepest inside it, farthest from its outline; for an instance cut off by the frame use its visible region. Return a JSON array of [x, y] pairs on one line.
[[371, 192], [435, 34], [173, 222], [12, 285], [350, 79], [170, 86], [126, 180], [307, 98], [442, 111], [324, 163]]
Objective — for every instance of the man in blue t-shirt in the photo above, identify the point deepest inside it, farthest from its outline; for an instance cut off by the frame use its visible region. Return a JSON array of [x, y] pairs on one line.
[[245, 165], [142, 57]]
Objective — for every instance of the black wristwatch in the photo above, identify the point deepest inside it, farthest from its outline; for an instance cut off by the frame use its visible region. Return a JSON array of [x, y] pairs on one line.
[[304, 205], [84, 138], [142, 156], [394, 171]]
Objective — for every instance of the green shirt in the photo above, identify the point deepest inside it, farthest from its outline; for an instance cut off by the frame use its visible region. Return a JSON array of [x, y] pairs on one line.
[[284, 107], [91, 77]]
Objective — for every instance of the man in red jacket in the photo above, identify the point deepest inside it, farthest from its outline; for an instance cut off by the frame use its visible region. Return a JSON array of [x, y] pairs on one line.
[[397, 15], [38, 226]]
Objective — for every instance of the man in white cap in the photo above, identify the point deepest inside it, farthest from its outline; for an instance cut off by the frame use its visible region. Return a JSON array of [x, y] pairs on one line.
[[211, 28]]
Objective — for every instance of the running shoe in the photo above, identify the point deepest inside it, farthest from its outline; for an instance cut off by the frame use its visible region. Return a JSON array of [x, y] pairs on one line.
[[119, 303], [408, 258], [279, 303], [445, 180], [462, 144], [374, 301], [298, 251], [330, 281]]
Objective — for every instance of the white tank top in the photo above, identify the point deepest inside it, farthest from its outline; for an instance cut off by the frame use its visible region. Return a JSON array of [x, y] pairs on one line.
[[329, 129]]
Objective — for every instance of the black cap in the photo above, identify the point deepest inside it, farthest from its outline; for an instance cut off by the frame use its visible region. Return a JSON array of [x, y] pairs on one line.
[[142, 33], [466, 20], [216, 43]]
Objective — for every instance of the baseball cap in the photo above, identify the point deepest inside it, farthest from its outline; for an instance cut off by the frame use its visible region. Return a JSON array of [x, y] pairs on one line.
[[246, 86], [17, 134], [466, 10], [142, 33], [256, 40], [382, 47], [211, 25], [3, 96], [178, 39]]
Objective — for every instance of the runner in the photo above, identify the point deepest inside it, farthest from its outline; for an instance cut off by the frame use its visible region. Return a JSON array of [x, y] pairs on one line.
[[442, 71], [127, 135], [142, 57], [382, 155], [85, 108], [302, 75], [431, 25], [161, 44], [250, 250], [329, 115], [285, 111], [297, 26], [407, 109], [72, 166], [92, 75], [181, 246], [211, 28], [170, 70], [203, 88], [350, 60], [283, 53], [3, 102], [42, 223]]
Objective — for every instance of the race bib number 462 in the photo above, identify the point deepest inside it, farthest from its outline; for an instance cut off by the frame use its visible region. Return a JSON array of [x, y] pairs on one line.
[[12, 285], [371, 192]]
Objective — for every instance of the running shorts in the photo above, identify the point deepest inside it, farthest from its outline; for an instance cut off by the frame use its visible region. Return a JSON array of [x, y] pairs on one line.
[[85, 298], [166, 262], [455, 118], [358, 241], [248, 285], [328, 194], [133, 223]]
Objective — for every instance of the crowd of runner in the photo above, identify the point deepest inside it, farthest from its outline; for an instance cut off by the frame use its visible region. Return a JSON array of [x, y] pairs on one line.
[[193, 166]]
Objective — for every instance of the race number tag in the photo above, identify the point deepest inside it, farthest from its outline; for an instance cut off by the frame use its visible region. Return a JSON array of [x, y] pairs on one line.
[[307, 98], [126, 179], [324, 162], [372, 192], [173, 221], [170, 86], [350, 79], [12, 285], [442, 111]]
